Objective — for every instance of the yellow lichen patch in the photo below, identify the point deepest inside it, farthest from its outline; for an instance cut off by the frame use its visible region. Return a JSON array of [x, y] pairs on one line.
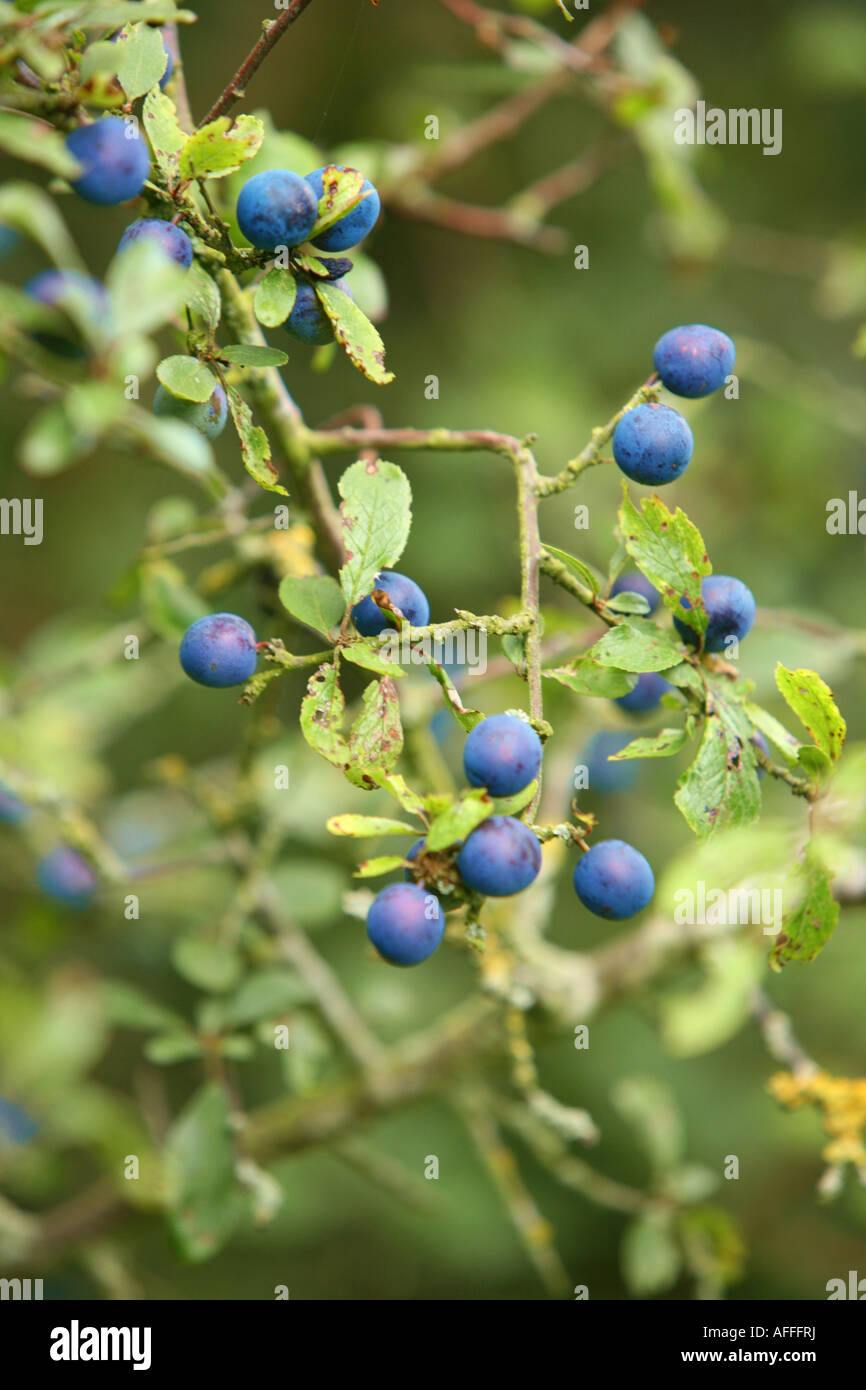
[[842, 1101]]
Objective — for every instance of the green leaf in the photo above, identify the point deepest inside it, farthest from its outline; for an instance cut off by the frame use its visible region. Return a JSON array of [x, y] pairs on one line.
[[637, 646], [466, 718], [376, 514], [670, 551], [187, 377], [663, 745], [627, 603], [374, 868], [355, 333], [357, 826], [202, 295], [275, 297], [126, 1006], [253, 355], [513, 805], [651, 1257], [396, 785], [322, 711], [209, 965], [143, 59], [164, 132], [220, 147], [813, 761], [721, 785], [268, 994], [206, 1201], [775, 733], [585, 677], [812, 701], [376, 737], [577, 567], [51, 443], [255, 446], [342, 190], [22, 137], [807, 929], [367, 654], [314, 600], [701, 1019], [168, 603], [647, 1105], [32, 211], [146, 287], [167, 1048], [459, 819]]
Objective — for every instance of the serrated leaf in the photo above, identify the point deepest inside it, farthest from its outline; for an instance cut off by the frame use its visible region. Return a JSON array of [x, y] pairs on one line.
[[255, 446], [812, 701], [143, 59], [322, 712], [22, 137], [187, 377], [164, 132], [253, 355], [206, 1202], [663, 745], [669, 549], [577, 567], [585, 677], [314, 600], [807, 929], [357, 826], [459, 820], [374, 868], [275, 297], [220, 147], [376, 737], [721, 786], [342, 190], [376, 513], [637, 646], [202, 295], [355, 333], [367, 654]]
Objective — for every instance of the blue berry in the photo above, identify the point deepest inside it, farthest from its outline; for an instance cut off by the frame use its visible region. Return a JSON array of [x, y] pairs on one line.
[[603, 775], [503, 754], [614, 880], [760, 742], [16, 1126], [633, 582], [500, 857], [646, 694], [412, 855], [355, 225], [208, 417], [404, 593], [114, 157], [653, 444], [405, 923], [730, 606], [172, 239], [276, 208], [308, 321], [58, 289], [12, 809], [65, 875], [694, 360], [219, 650]]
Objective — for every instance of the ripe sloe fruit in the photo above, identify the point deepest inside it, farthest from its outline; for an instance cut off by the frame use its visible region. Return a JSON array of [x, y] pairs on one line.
[[613, 880], [503, 754], [653, 443], [633, 582], [356, 224], [646, 694], [114, 157], [170, 238], [694, 360], [403, 592], [64, 875], [208, 417], [405, 923], [219, 650], [276, 208], [731, 609], [500, 857]]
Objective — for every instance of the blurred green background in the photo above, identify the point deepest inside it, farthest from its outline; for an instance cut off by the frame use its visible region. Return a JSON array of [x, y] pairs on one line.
[[520, 342]]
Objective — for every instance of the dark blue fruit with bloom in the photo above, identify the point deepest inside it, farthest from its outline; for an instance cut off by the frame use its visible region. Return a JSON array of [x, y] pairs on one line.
[[58, 289], [403, 592], [12, 809], [113, 154], [208, 417], [500, 857], [405, 923], [605, 776], [730, 606], [308, 321], [16, 1126], [63, 874], [219, 650], [412, 855], [760, 742], [694, 360], [356, 224], [653, 444], [503, 754], [277, 208], [171, 239], [633, 582], [646, 694], [614, 880]]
